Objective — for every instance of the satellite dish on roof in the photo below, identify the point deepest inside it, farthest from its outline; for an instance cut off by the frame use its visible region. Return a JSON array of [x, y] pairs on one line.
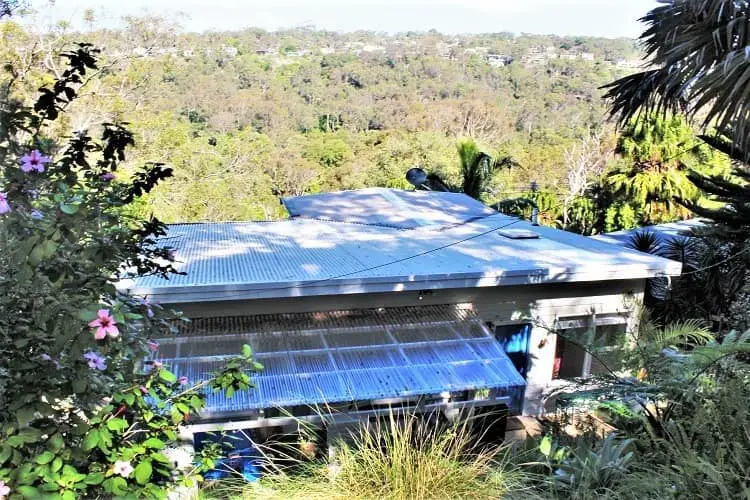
[[416, 177]]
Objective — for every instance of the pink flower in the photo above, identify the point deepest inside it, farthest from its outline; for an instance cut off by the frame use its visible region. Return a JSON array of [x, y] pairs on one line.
[[4, 490], [4, 205], [144, 389], [106, 177], [95, 361], [34, 161], [182, 380], [105, 325], [154, 346], [122, 468]]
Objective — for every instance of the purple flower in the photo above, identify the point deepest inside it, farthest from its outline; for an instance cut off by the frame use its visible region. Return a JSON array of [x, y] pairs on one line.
[[95, 361], [149, 312], [34, 161], [182, 380], [4, 205], [36, 214], [45, 357], [106, 177], [144, 389]]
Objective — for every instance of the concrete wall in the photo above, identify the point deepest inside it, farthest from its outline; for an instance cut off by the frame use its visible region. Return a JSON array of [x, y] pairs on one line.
[[540, 305]]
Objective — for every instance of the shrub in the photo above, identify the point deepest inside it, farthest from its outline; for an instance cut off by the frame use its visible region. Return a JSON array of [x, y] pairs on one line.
[[405, 457], [82, 414]]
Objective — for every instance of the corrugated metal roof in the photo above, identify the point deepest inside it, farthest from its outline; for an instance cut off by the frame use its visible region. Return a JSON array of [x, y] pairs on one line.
[[345, 356], [389, 207], [302, 257], [663, 232]]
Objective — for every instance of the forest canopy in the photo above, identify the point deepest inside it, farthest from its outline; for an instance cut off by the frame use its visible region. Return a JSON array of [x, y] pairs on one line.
[[247, 117]]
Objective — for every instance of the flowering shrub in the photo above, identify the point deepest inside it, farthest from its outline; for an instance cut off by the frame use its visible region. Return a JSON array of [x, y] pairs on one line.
[[81, 413]]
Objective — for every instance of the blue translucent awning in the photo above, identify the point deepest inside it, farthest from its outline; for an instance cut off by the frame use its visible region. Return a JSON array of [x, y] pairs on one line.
[[346, 356]]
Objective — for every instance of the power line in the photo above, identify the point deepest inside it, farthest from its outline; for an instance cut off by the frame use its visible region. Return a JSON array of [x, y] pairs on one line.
[[397, 261], [723, 261]]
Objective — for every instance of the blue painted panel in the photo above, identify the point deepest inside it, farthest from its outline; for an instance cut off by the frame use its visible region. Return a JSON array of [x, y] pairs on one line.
[[515, 340]]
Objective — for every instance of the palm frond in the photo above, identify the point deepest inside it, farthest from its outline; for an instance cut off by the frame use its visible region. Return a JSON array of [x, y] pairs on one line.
[[699, 49]]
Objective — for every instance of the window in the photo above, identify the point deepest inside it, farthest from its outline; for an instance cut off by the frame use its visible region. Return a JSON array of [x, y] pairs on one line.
[[589, 346]]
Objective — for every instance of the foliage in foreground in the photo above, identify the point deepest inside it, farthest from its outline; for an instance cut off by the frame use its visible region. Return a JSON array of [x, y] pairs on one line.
[[400, 458], [81, 414], [681, 432]]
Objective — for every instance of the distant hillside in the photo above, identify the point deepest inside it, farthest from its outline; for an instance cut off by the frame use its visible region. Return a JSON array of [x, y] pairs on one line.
[[245, 117]]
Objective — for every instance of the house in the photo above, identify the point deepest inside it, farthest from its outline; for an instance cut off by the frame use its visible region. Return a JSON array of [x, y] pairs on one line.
[[366, 299], [498, 60]]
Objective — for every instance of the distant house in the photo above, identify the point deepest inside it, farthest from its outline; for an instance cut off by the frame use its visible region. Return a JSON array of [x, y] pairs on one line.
[[366, 299], [230, 51], [587, 56], [498, 60]]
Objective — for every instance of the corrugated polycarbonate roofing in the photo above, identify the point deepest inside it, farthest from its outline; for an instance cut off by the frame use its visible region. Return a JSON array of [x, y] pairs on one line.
[[345, 356], [388, 207], [304, 257]]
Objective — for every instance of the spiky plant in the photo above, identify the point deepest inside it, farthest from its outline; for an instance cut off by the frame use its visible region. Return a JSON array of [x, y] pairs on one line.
[[698, 65]]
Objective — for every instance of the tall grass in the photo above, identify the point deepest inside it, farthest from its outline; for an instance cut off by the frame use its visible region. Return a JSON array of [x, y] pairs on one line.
[[402, 457]]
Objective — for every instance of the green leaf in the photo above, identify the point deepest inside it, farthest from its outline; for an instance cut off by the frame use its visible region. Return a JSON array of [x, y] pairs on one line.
[[30, 435], [167, 376], [24, 416], [79, 385], [91, 440], [143, 472], [28, 492], [69, 208], [117, 486], [56, 442], [56, 464], [5, 453], [94, 478], [545, 446], [159, 457], [117, 424], [45, 458], [247, 351], [154, 443]]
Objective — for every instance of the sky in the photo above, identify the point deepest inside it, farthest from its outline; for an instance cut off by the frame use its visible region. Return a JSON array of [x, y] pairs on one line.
[[609, 18]]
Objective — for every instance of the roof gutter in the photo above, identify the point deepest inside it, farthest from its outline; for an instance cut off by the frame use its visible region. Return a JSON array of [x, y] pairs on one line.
[[347, 286]]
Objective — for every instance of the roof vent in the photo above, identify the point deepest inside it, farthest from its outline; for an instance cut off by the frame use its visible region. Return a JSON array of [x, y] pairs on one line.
[[518, 234]]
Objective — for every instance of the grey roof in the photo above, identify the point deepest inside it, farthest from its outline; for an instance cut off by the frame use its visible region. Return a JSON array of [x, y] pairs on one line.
[[388, 207], [302, 257], [345, 356], [663, 232]]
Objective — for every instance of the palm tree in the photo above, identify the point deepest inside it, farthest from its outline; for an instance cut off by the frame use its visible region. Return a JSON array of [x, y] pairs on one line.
[[698, 49], [477, 169]]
